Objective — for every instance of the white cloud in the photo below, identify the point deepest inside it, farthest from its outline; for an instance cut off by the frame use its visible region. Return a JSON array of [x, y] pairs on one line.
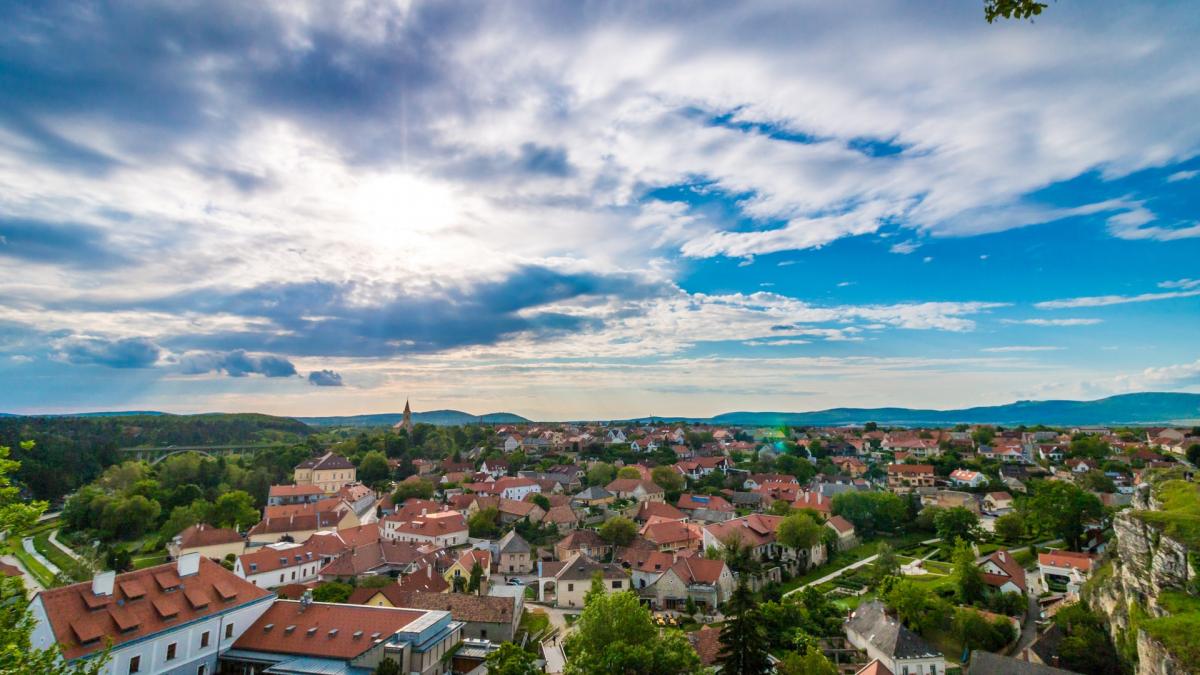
[[1182, 284], [1021, 348], [1183, 375], [927, 259], [1053, 322], [905, 247], [1106, 300], [1182, 175]]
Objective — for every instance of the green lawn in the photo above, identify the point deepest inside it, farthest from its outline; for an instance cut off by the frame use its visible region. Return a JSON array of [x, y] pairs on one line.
[[54, 554], [39, 571], [142, 562], [851, 556]]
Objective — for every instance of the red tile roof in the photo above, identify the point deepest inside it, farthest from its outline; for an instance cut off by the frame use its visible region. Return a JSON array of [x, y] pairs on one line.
[[203, 534], [707, 643], [648, 510], [294, 490], [754, 530], [1079, 561], [78, 616], [1013, 571], [341, 631], [911, 469]]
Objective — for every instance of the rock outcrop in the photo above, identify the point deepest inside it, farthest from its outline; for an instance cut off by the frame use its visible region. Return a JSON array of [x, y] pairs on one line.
[[1145, 562]]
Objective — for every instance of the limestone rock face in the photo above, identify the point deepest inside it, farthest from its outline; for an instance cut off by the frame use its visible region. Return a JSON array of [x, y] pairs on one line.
[[1145, 562]]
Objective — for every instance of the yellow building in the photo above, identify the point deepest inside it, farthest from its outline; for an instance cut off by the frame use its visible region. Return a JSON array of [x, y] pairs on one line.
[[328, 472], [462, 567]]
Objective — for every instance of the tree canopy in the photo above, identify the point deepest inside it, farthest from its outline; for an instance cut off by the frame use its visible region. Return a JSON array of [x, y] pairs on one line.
[[615, 635]]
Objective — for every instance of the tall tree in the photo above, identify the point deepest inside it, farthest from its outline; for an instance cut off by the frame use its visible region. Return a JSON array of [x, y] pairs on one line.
[[956, 523], [800, 531], [511, 660], [967, 577], [615, 635], [17, 654], [618, 531], [476, 578], [1064, 509], [744, 641]]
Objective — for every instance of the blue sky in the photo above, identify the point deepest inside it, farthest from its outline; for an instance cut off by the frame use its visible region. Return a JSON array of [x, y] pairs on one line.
[[595, 210]]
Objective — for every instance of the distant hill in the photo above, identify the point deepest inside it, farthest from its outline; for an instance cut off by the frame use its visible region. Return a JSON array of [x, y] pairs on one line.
[[436, 417], [1135, 409]]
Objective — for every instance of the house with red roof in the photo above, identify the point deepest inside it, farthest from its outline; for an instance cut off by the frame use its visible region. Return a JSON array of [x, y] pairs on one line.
[[178, 617], [906, 477], [1003, 573], [303, 636], [706, 582]]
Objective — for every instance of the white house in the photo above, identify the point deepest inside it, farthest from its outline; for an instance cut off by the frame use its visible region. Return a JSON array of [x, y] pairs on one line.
[[887, 640], [444, 529], [967, 478], [278, 564], [173, 618]]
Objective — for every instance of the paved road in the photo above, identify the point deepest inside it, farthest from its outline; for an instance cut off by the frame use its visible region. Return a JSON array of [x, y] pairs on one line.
[[64, 548], [31, 583], [27, 543], [852, 566]]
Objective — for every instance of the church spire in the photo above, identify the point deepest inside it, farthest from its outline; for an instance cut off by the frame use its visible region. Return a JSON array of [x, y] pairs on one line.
[[407, 421]]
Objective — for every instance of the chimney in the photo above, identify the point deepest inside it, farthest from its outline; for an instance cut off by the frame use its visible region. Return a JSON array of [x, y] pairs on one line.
[[102, 583], [188, 564]]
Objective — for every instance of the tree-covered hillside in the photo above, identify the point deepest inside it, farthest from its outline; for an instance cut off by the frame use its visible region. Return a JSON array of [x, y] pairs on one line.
[[69, 452]]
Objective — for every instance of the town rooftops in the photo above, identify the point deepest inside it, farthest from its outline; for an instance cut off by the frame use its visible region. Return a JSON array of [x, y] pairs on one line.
[[582, 568], [326, 462], [630, 484], [1080, 561], [965, 475], [875, 667], [431, 524], [911, 469], [463, 606], [840, 525], [513, 543], [337, 631], [593, 493], [203, 534], [1012, 570], [887, 634], [648, 510], [987, 663], [753, 530], [696, 570], [134, 605], [294, 490], [692, 502]]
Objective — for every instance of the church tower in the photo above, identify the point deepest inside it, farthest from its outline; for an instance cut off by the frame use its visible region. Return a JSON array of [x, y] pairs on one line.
[[407, 421]]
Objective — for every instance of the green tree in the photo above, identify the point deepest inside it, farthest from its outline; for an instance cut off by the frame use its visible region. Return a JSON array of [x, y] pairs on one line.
[[541, 501], [744, 646], [412, 488], [390, 667], [799, 531], [601, 474], [476, 579], [1012, 9], [183, 517], [977, 632], [918, 608], [332, 591], [1063, 509], [234, 509], [615, 635], [667, 478], [1010, 527], [618, 531], [886, 564], [1086, 647], [811, 662], [779, 507], [511, 660], [485, 523], [1193, 453], [956, 523], [628, 472], [967, 577], [373, 468], [871, 512], [17, 654]]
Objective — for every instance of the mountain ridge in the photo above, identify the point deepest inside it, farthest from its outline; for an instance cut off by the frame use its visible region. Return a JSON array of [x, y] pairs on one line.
[[1146, 408]]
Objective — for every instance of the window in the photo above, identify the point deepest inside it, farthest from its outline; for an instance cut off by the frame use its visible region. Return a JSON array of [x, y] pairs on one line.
[[135, 664], [570, 588], [171, 651], [202, 670], [204, 639], [228, 631], [483, 634], [616, 583]]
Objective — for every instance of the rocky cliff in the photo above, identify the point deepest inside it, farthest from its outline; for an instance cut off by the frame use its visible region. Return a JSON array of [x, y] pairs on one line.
[[1144, 564]]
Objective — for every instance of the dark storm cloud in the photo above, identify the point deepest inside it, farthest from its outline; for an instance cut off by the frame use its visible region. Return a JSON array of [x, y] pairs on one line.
[[325, 378], [156, 76], [322, 318], [236, 363], [123, 353], [70, 244]]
